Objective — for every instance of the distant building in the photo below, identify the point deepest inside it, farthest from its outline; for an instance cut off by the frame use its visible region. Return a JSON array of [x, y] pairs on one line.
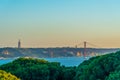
[[19, 44], [5, 52], [79, 54]]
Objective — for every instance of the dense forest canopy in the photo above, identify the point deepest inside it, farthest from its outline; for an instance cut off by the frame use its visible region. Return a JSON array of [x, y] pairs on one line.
[[38, 69], [105, 67]]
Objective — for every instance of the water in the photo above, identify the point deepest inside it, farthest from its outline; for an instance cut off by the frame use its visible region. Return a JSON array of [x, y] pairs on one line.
[[4, 61], [67, 61]]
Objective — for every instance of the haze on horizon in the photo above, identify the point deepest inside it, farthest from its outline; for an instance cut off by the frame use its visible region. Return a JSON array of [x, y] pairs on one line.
[[55, 23]]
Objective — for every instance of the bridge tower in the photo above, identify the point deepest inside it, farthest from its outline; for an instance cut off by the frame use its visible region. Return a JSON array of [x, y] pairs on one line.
[[19, 44], [85, 45]]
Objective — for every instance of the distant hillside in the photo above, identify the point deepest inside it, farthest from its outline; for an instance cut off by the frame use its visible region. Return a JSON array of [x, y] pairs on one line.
[[49, 52]]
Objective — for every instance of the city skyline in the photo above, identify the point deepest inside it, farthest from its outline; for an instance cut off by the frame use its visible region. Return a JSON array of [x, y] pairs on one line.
[[59, 23]]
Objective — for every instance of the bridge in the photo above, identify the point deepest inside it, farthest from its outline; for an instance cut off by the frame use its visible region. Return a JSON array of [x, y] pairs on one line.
[[87, 45]]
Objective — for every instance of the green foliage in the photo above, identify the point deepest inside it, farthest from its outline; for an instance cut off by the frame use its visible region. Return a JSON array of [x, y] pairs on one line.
[[114, 76], [38, 69], [106, 67], [69, 73], [7, 76], [100, 68]]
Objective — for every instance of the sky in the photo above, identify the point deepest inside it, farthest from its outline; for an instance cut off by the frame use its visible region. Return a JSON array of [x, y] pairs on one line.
[[59, 23]]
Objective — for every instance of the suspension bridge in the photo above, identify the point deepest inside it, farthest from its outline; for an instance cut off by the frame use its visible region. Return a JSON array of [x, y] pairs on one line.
[[87, 46]]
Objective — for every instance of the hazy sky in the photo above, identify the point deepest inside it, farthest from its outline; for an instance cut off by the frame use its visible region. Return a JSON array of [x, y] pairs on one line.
[[52, 23]]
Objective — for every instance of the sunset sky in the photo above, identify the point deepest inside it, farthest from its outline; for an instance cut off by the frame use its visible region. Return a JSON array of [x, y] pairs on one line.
[[59, 23]]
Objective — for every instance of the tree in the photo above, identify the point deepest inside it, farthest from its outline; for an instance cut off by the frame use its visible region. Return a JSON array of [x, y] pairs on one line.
[[7, 76]]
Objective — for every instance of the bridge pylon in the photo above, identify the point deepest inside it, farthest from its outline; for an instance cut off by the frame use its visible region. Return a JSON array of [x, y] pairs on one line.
[[85, 51]]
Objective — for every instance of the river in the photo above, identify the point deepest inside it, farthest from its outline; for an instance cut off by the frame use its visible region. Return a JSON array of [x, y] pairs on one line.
[[66, 61]]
